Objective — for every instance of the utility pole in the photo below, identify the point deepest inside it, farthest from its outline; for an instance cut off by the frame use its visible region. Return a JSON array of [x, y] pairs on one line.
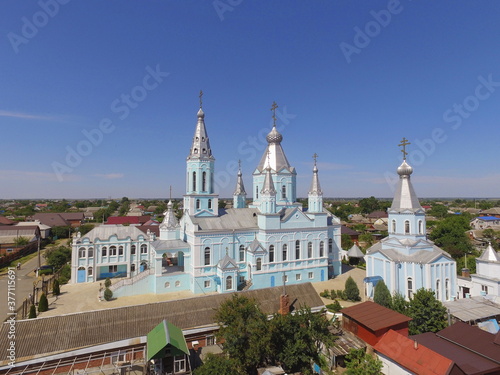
[[39, 263]]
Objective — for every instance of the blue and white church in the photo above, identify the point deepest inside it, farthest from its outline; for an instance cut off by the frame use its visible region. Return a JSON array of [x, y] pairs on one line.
[[271, 241], [406, 260]]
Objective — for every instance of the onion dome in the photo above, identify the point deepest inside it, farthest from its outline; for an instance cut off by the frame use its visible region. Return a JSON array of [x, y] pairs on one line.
[[274, 136], [404, 169]]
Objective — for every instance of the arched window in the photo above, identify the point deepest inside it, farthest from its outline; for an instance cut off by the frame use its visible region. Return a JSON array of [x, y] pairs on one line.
[[420, 227], [410, 287], [194, 181], [207, 256], [112, 250], [283, 192], [393, 226], [242, 253], [271, 253], [297, 249], [321, 249], [197, 204], [90, 271], [407, 227], [177, 284], [120, 250], [256, 192], [229, 283], [285, 251], [91, 252], [330, 245], [447, 288], [132, 249], [104, 251], [309, 249], [259, 264], [144, 249], [81, 252], [204, 181], [438, 288], [167, 285]]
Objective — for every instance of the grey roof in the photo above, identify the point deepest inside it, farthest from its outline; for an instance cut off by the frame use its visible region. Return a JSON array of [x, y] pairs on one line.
[[355, 252], [240, 188], [230, 218], [492, 211], [474, 308], [489, 255], [423, 256], [103, 232], [315, 186], [256, 246], [43, 336], [405, 198], [227, 263], [268, 186], [274, 156], [200, 148], [169, 244]]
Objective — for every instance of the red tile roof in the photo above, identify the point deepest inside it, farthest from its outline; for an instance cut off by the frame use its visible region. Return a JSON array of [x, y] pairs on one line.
[[374, 316], [5, 221], [416, 358], [123, 220]]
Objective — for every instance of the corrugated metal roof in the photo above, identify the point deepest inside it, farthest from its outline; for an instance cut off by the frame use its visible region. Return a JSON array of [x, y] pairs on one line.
[[374, 316], [472, 309], [103, 232], [231, 218], [43, 336], [416, 358], [344, 342]]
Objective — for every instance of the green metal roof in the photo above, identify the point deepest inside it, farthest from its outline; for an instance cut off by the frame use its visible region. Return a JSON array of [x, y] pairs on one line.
[[165, 336]]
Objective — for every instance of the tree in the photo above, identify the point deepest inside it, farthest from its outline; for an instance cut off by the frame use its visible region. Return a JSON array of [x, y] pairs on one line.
[[427, 313], [450, 235], [107, 282], [43, 304], [382, 296], [85, 228], [400, 304], [61, 231], [21, 241], [221, 365], [297, 340], [368, 205], [361, 363], [108, 294], [346, 242], [351, 290], [438, 210], [58, 257], [32, 314], [244, 329], [367, 238], [56, 290]]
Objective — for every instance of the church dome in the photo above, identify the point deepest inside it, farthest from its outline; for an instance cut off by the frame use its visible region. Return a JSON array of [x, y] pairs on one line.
[[274, 136], [201, 113], [405, 169]]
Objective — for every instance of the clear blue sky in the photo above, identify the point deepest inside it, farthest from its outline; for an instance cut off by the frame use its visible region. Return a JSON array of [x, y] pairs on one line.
[[351, 79]]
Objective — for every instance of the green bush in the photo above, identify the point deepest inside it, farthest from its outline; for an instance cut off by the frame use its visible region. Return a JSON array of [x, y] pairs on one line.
[[56, 290], [324, 294], [333, 294], [341, 294], [32, 314], [47, 271], [351, 290], [107, 282], [43, 304], [64, 274], [108, 294], [334, 307]]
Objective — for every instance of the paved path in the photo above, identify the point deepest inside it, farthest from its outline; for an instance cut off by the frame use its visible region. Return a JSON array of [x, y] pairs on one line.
[[83, 297]]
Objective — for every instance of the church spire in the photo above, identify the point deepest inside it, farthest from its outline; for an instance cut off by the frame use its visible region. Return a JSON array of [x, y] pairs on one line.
[[315, 196], [200, 148], [169, 221], [405, 197], [239, 195]]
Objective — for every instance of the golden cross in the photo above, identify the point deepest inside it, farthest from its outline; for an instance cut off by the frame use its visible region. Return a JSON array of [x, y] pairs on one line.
[[273, 108], [201, 99], [404, 143], [315, 156]]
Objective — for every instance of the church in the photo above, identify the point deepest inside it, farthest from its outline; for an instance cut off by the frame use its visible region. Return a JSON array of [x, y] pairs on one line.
[[406, 260], [270, 242]]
